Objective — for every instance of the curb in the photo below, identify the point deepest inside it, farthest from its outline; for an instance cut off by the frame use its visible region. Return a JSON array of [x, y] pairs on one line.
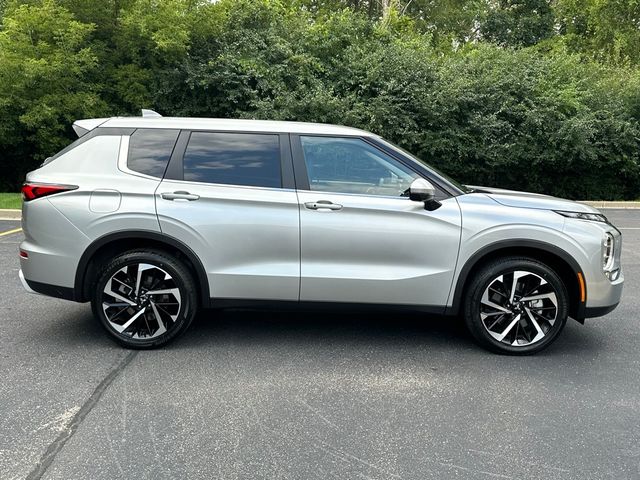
[[7, 214], [606, 204]]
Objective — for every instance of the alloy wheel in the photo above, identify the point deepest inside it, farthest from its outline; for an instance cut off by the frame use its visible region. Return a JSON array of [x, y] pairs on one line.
[[519, 308], [141, 301]]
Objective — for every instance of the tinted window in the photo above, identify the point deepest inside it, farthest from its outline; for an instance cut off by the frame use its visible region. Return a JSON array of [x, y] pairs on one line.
[[234, 159], [150, 150], [351, 165]]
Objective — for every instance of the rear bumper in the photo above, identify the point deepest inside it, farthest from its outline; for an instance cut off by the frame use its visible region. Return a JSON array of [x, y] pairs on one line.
[[49, 290], [24, 283]]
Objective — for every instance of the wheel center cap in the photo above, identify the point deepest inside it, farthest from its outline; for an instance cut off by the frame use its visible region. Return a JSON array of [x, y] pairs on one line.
[[143, 300]]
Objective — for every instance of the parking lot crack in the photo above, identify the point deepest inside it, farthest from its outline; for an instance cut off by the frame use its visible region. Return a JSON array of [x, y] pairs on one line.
[[65, 435]]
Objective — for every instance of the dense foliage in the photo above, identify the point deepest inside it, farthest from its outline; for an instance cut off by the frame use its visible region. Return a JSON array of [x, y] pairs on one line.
[[528, 94]]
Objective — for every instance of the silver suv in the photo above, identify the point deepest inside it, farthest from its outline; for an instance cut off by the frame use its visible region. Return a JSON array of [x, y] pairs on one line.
[[151, 218]]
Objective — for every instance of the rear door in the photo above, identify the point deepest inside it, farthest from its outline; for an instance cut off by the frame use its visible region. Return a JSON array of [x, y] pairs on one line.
[[230, 197], [362, 239]]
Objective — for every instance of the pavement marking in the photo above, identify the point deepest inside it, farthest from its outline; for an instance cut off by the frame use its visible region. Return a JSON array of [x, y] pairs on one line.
[[629, 228], [9, 232]]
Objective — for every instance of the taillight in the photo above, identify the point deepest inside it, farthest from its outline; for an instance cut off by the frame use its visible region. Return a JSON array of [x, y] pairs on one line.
[[31, 191]]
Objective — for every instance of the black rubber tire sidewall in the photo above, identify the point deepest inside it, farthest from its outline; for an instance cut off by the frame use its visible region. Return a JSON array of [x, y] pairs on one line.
[[480, 282], [175, 268]]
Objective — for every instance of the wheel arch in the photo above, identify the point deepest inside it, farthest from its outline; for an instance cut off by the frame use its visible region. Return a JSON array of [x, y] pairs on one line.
[[121, 241], [556, 258]]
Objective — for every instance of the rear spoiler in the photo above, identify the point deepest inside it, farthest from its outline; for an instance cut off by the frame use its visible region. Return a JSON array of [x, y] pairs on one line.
[[82, 127]]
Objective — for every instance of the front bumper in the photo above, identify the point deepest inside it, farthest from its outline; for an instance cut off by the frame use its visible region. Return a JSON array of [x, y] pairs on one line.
[[602, 294], [592, 312], [608, 295]]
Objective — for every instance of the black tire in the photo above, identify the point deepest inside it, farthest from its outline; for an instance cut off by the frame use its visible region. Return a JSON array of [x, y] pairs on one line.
[[495, 320], [183, 306]]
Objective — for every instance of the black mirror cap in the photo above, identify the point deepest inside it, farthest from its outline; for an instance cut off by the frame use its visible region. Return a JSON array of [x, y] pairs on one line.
[[432, 204], [420, 196]]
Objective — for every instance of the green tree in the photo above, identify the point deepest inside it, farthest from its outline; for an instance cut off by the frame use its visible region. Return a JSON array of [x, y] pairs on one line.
[[528, 121], [518, 23], [606, 30], [44, 66], [490, 91]]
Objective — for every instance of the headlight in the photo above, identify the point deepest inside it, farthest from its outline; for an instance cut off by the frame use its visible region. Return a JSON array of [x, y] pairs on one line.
[[611, 256], [594, 217], [607, 252]]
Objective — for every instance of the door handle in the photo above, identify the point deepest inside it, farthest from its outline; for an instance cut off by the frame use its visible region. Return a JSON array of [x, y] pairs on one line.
[[180, 195], [322, 205]]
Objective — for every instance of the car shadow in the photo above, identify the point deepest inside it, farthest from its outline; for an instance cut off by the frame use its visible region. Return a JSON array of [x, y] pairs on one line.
[[333, 327], [336, 329], [76, 329]]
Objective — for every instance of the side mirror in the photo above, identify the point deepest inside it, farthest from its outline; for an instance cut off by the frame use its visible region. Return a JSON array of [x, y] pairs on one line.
[[422, 191]]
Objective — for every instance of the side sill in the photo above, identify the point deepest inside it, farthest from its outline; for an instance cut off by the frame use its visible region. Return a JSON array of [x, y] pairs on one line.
[[224, 303]]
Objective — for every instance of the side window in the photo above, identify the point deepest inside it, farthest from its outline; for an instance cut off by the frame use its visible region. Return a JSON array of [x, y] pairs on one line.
[[351, 165], [150, 150], [233, 159]]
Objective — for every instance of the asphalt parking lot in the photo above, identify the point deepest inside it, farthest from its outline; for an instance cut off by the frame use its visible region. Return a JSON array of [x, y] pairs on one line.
[[305, 395]]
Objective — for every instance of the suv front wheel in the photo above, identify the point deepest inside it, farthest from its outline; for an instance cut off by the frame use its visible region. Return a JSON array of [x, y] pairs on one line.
[[516, 305], [144, 298]]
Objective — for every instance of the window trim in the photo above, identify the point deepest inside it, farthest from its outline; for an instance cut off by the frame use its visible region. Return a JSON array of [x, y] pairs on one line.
[[175, 169], [302, 177]]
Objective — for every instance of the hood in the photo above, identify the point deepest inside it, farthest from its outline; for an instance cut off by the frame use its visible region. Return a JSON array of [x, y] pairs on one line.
[[512, 198]]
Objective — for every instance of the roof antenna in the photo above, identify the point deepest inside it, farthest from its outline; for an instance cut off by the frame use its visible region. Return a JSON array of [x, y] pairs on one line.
[[150, 114]]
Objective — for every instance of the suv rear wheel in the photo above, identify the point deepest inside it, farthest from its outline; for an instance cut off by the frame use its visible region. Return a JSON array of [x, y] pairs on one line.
[[516, 306], [144, 298]]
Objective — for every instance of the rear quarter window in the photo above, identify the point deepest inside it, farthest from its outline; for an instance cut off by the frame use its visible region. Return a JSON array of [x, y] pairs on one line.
[[150, 150]]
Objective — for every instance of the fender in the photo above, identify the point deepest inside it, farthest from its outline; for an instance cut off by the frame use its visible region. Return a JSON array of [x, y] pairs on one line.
[[89, 252], [479, 255]]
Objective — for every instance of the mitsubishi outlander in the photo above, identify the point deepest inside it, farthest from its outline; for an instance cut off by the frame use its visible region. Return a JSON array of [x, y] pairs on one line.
[[152, 218]]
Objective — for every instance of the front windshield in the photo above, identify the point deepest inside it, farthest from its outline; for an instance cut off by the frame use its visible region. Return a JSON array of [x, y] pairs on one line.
[[455, 183]]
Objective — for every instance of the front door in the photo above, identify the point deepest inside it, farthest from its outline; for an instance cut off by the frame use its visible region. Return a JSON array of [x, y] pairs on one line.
[[362, 240]]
